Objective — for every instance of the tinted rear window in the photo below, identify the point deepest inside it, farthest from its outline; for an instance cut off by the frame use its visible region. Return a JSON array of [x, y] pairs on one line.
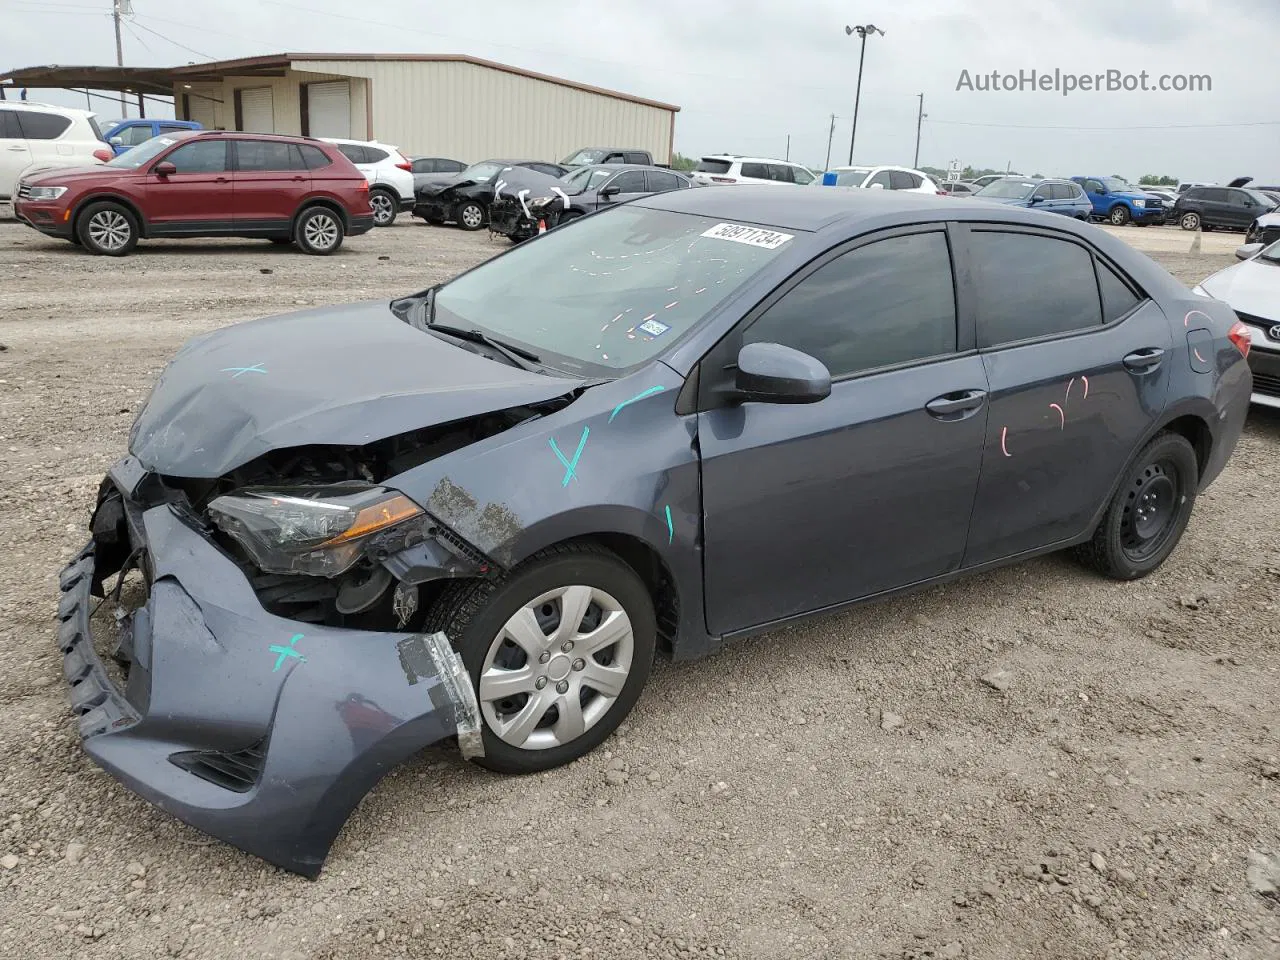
[[42, 126], [314, 157], [352, 151], [758, 171], [267, 155], [714, 166], [375, 155]]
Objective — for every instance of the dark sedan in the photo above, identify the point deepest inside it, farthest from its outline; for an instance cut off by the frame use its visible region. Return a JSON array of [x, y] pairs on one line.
[[465, 198], [584, 191], [481, 509]]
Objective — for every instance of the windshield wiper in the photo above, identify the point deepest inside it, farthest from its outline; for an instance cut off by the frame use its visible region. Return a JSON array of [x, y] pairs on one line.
[[518, 356]]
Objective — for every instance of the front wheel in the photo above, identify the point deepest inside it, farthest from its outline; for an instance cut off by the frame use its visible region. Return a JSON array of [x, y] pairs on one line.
[[470, 215], [107, 228], [1190, 221], [1119, 216], [559, 650], [385, 207], [319, 231], [1149, 512]]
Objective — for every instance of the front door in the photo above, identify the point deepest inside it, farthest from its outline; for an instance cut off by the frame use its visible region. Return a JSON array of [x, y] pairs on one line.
[[15, 153], [1240, 209], [629, 184], [869, 489], [270, 180], [1078, 365], [195, 199]]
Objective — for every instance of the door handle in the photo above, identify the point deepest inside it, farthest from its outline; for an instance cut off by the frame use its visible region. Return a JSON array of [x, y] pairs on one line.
[[960, 401], [18, 149], [1142, 361]]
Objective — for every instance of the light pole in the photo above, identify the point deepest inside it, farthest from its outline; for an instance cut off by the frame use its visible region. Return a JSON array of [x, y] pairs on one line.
[[862, 32]]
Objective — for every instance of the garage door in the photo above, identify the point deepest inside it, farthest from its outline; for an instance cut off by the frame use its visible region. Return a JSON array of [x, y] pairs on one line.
[[329, 109], [200, 109], [257, 114]]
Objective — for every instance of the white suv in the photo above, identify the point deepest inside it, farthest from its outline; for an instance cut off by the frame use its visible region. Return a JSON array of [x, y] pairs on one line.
[[885, 178], [34, 136], [726, 168], [389, 172]]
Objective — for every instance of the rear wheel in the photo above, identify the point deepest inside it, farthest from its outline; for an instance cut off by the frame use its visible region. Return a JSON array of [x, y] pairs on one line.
[[559, 650], [318, 231], [1149, 511], [385, 207], [107, 228], [470, 215]]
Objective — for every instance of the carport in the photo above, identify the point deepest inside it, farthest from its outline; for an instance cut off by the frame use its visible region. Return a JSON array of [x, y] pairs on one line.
[[145, 84]]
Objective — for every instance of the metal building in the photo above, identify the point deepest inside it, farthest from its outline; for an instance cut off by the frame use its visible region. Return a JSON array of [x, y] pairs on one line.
[[436, 105]]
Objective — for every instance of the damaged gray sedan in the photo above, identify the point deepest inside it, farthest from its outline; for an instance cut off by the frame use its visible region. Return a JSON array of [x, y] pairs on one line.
[[478, 511]]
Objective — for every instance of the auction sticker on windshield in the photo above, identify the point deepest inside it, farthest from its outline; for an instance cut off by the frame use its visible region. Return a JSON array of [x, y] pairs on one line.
[[752, 236]]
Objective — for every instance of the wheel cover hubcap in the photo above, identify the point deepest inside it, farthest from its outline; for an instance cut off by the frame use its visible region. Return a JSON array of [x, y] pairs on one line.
[[472, 216], [1150, 510], [321, 232], [556, 667], [109, 230]]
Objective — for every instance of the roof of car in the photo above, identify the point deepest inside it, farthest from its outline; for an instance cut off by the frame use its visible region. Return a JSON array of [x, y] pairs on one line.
[[615, 167], [734, 156]]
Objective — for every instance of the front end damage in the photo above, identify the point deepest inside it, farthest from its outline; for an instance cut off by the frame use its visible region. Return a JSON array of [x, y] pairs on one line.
[[259, 708]]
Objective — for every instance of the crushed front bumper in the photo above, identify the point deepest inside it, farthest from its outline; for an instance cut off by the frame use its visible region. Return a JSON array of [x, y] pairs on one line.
[[508, 218], [259, 730]]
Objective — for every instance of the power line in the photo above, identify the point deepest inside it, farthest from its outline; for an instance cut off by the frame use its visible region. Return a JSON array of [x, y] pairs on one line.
[[133, 33], [1164, 126], [172, 41]]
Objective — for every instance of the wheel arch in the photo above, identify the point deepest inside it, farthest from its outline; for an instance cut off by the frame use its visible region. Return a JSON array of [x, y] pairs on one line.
[[125, 202], [319, 200]]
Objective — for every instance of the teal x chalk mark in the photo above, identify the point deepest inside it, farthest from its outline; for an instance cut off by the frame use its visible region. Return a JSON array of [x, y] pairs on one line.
[[638, 397], [240, 371], [286, 652], [671, 529], [570, 466]]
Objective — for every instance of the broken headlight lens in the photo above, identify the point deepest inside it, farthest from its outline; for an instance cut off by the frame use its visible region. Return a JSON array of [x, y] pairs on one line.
[[319, 531]]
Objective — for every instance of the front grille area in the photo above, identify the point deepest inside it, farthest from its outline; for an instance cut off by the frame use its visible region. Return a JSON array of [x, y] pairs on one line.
[[24, 191], [1269, 235], [1262, 383], [1262, 323], [237, 771]]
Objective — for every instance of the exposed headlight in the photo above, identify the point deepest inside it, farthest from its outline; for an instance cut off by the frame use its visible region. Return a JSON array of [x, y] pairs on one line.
[[311, 530], [1200, 291], [45, 193], [1139, 202]]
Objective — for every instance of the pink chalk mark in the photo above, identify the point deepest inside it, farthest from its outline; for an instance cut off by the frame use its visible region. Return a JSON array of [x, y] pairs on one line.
[[1198, 357], [1186, 321], [701, 290], [1062, 415], [1086, 387], [671, 304], [1069, 386], [1004, 433], [616, 319], [647, 319]]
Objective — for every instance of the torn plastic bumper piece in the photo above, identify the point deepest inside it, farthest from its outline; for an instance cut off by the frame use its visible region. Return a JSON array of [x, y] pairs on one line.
[[258, 730]]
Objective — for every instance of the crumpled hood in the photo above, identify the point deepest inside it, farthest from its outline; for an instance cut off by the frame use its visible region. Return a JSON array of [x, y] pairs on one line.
[[1249, 287], [343, 376]]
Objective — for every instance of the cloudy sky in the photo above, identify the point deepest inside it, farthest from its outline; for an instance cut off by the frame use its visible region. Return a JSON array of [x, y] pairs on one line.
[[748, 73]]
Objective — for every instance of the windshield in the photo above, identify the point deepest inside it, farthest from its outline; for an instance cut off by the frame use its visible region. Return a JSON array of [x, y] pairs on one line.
[[852, 178], [585, 179], [135, 157], [1271, 253], [1116, 185], [1261, 198], [584, 156], [611, 292], [483, 172], [1006, 190]]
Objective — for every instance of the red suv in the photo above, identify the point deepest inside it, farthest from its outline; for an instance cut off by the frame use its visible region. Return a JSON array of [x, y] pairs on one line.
[[206, 183]]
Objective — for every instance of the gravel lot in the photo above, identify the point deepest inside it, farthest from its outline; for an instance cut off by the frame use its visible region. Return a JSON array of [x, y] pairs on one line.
[[849, 788]]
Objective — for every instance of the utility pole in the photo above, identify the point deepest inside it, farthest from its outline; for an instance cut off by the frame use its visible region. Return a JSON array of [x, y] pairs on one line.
[[115, 18], [830, 136], [862, 32], [919, 119], [788, 157]]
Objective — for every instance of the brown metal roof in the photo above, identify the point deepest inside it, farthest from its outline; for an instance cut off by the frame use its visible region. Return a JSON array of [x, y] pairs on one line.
[[262, 66], [157, 80]]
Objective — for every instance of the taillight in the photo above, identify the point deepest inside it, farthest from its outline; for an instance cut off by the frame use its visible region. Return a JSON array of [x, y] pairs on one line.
[[363, 186], [404, 163], [941, 193], [103, 154], [1239, 335]]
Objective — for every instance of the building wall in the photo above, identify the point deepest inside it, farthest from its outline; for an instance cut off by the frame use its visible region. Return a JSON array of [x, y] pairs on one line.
[[285, 99], [470, 112]]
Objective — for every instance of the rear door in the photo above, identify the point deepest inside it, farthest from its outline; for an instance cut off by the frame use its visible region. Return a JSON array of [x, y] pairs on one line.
[[813, 505], [198, 198], [902, 180], [1214, 208], [15, 154], [270, 181], [1078, 364]]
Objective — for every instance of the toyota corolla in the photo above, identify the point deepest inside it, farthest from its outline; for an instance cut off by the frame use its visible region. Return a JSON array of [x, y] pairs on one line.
[[341, 535]]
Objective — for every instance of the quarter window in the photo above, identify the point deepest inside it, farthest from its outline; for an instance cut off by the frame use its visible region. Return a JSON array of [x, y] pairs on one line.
[[313, 157], [1117, 298], [889, 302], [203, 156], [1031, 286]]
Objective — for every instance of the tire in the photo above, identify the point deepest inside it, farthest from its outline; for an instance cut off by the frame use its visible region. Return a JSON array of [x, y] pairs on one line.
[[318, 231], [107, 228], [385, 207], [1189, 220], [470, 215], [1119, 215], [477, 617], [1164, 479], [75, 239]]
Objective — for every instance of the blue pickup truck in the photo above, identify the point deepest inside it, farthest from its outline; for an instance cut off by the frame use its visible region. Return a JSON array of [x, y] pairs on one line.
[[126, 134], [1119, 203]]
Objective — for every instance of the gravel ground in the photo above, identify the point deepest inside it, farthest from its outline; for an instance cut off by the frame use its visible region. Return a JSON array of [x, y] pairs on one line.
[[1031, 763]]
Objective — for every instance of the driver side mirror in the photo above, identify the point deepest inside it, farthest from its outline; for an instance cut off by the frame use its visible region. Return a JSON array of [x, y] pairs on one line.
[[1248, 250], [164, 169], [1036, 198], [773, 373], [609, 192], [117, 141], [876, 186]]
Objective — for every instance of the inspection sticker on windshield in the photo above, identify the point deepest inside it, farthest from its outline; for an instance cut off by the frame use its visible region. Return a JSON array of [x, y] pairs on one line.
[[752, 236], [654, 328]]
